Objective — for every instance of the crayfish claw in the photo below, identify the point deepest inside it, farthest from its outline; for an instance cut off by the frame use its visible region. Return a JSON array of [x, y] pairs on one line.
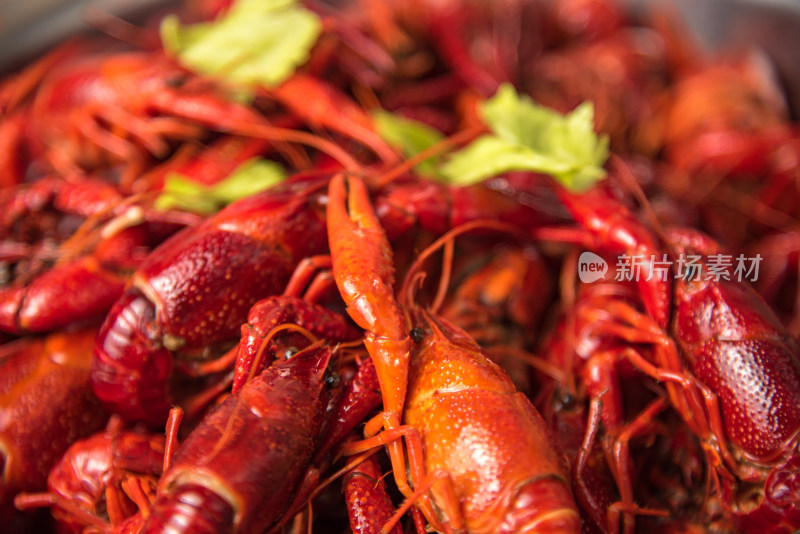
[[364, 273]]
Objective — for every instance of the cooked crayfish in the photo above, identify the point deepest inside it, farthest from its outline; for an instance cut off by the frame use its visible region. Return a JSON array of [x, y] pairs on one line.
[[665, 403], [238, 469], [195, 290], [102, 480], [435, 378], [34, 434], [60, 280], [730, 369]]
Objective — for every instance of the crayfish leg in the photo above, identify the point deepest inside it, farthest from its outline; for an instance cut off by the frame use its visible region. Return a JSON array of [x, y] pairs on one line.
[[603, 384], [698, 405], [171, 444], [391, 438], [311, 278], [608, 225], [447, 500]]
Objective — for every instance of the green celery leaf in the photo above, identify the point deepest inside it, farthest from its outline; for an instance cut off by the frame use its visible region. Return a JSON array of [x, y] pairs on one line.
[[249, 178], [410, 136], [252, 176], [176, 37], [489, 156], [529, 137], [182, 193], [255, 42]]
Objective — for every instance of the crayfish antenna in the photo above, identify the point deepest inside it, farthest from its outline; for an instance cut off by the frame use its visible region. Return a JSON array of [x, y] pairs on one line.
[[442, 146], [120, 29], [625, 175], [446, 242]]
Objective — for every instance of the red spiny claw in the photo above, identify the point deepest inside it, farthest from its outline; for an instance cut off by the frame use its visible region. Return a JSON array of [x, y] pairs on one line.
[[194, 291], [238, 470], [78, 279], [364, 273], [261, 343], [368, 505], [362, 257], [49, 302], [119, 380]]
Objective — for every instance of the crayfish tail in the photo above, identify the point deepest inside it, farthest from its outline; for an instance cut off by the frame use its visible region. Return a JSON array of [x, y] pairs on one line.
[[542, 506], [192, 508], [123, 356]]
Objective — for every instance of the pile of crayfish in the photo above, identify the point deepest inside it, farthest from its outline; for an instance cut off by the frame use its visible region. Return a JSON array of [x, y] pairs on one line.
[[430, 273]]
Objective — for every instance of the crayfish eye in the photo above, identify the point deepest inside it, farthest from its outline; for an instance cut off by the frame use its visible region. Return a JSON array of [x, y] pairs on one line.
[[289, 352], [332, 379], [175, 81], [417, 334], [566, 400]]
